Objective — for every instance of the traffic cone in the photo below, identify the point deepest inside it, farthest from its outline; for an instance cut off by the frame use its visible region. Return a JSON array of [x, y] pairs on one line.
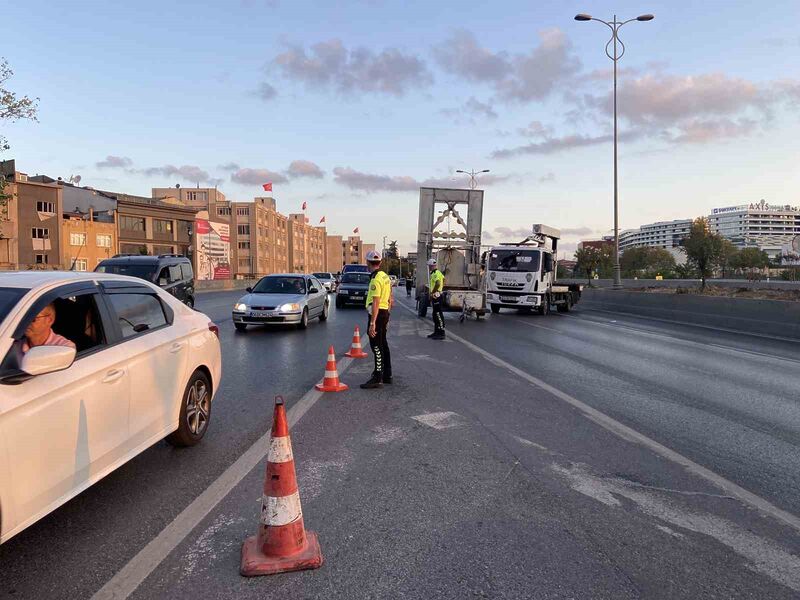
[[282, 543], [355, 348], [331, 381]]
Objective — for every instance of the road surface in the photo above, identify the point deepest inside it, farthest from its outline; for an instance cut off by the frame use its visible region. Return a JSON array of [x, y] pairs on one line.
[[478, 473]]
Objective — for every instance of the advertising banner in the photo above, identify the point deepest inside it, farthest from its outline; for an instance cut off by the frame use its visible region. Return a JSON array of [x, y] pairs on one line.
[[212, 242]]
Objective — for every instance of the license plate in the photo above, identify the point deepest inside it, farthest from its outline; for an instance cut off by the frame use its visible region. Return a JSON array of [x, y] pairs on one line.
[[508, 299], [262, 313], [356, 297]]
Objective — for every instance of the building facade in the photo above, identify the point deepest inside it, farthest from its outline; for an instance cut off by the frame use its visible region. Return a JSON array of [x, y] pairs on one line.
[[87, 239], [353, 250], [261, 235], [662, 234], [334, 256], [769, 227], [150, 226], [307, 245]]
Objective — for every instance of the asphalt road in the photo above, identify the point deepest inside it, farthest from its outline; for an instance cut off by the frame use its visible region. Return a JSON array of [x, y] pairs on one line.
[[463, 479]]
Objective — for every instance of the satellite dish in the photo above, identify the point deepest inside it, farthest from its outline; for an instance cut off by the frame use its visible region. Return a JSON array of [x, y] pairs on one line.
[[177, 186], [76, 180]]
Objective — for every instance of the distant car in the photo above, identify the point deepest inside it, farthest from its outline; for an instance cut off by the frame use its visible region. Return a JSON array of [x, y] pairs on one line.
[[401, 282], [355, 269], [327, 280], [353, 289], [393, 279], [170, 272], [282, 299], [145, 367]]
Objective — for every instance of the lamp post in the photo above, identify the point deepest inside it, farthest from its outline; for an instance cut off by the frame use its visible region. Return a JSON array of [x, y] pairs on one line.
[[615, 26], [472, 182]]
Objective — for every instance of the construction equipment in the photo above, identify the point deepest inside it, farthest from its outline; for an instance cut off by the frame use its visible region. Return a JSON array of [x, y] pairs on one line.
[[449, 230]]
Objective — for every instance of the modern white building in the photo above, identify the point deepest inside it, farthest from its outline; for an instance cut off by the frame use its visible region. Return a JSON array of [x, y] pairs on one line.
[[770, 227], [663, 234]]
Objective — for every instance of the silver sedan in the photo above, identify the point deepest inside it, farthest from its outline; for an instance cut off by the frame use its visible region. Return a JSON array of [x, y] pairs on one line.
[[288, 298]]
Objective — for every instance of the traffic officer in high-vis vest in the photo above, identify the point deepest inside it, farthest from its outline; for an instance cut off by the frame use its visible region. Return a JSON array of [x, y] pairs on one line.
[[379, 304], [436, 287]]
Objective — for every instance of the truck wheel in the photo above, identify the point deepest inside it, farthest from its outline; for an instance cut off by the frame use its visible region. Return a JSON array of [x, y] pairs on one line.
[[422, 308], [545, 307], [568, 303], [495, 309]]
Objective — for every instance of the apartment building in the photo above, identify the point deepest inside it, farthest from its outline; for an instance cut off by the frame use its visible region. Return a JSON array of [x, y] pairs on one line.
[[353, 250], [199, 198], [662, 234], [307, 246], [87, 238], [366, 249], [261, 238], [334, 256]]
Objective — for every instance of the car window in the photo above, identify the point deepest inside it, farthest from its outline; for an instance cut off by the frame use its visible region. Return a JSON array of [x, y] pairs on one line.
[[175, 273], [322, 275], [163, 276], [78, 320], [137, 313], [141, 271], [356, 278], [280, 285], [8, 299], [186, 271]]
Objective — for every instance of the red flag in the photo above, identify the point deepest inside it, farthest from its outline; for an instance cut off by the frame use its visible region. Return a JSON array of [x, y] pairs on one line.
[[322, 220], [267, 187], [304, 205], [355, 230]]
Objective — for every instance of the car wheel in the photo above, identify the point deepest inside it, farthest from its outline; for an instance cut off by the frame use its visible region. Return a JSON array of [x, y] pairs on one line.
[[303, 320], [190, 302], [195, 412], [324, 315], [495, 309], [240, 326]]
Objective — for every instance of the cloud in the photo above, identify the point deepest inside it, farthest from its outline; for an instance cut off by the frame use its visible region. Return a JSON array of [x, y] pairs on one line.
[[370, 183], [473, 107], [114, 162], [331, 64], [257, 177], [508, 232], [515, 78], [577, 231], [186, 172], [552, 145], [304, 168], [487, 236], [535, 129], [547, 177], [231, 166], [266, 91], [700, 131]]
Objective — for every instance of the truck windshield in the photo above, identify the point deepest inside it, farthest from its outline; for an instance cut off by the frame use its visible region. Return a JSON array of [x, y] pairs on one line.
[[525, 261]]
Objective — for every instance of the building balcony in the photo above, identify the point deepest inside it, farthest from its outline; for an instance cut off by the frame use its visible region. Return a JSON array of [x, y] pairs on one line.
[[132, 234]]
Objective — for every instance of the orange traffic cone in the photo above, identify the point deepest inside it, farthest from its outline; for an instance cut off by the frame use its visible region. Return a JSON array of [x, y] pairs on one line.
[[355, 348], [282, 543], [331, 381]]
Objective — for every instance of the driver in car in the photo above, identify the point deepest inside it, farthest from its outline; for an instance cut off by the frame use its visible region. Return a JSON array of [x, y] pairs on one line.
[[40, 331]]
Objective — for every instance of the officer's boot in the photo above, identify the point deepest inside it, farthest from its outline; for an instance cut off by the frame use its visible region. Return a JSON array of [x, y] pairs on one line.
[[376, 381]]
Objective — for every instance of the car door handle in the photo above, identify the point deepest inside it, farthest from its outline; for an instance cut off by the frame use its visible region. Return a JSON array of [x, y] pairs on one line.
[[175, 348], [113, 375]]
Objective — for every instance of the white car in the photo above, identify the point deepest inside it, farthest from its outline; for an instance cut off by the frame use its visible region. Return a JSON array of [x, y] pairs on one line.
[[145, 368]]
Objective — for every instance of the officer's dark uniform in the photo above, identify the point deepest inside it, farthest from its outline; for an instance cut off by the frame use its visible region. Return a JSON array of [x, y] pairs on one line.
[[380, 285], [436, 286]]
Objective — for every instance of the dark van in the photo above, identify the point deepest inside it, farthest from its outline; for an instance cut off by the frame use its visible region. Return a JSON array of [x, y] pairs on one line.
[[168, 271]]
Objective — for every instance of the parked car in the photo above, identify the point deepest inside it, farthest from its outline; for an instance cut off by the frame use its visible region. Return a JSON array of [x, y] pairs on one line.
[[355, 269], [282, 299], [170, 272], [145, 367], [353, 289], [327, 280]]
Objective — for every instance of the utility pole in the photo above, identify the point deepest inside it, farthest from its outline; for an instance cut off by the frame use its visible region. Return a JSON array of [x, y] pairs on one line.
[[472, 182]]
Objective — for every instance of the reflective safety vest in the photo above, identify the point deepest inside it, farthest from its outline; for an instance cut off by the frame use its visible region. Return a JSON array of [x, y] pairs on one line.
[[437, 281], [379, 285]]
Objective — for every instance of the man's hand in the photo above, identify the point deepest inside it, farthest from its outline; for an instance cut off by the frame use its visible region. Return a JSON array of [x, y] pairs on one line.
[[372, 331]]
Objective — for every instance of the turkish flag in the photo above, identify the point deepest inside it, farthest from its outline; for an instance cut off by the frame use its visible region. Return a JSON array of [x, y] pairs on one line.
[[322, 220], [267, 187], [304, 205], [355, 230]]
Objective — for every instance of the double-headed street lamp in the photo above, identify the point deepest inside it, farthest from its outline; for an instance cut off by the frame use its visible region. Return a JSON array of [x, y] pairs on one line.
[[472, 182], [615, 26]]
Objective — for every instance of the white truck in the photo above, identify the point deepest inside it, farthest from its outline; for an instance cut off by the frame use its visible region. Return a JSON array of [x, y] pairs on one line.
[[524, 275]]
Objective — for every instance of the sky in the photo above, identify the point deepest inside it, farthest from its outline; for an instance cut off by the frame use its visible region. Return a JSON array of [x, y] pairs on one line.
[[351, 106]]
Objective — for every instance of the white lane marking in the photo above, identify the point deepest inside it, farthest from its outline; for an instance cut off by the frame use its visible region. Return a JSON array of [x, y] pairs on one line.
[[127, 579], [277, 511], [634, 436], [441, 420], [525, 442], [539, 326], [280, 450]]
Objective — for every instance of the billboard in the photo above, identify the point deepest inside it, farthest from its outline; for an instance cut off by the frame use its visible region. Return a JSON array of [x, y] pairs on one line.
[[213, 244]]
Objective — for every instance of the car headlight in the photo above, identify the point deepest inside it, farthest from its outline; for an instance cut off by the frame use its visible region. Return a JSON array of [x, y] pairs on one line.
[[240, 307], [289, 307]]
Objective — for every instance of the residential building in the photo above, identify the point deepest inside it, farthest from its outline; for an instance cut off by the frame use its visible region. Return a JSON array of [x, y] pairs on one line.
[[662, 234], [353, 250], [366, 249], [606, 242], [261, 238], [769, 227], [306, 245], [30, 221], [87, 238], [199, 198], [334, 256]]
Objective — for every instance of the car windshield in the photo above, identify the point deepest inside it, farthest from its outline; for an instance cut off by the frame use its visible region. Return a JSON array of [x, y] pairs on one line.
[[356, 269], [280, 285], [147, 272], [356, 278], [526, 261], [8, 298], [322, 275]]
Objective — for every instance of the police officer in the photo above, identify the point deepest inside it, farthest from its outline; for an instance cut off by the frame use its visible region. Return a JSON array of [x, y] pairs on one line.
[[379, 303], [436, 287]]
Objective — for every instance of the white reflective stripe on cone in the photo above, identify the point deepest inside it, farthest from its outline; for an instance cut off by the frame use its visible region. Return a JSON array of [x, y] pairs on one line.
[[280, 450], [331, 375], [280, 511]]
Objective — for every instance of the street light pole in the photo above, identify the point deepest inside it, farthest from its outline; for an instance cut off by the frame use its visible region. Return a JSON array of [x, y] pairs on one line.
[[615, 26], [472, 182]]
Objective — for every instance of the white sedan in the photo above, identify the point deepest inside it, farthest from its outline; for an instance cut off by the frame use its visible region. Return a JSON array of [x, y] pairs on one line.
[[134, 366]]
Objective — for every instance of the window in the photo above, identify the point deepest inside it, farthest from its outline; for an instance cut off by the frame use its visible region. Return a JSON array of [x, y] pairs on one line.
[[243, 211], [243, 229], [46, 207], [193, 196], [224, 211], [162, 226], [131, 223], [186, 271], [137, 313], [40, 233], [41, 259], [244, 262], [103, 241], [80, 264], [244, 245], [77, 239], [174, 273]]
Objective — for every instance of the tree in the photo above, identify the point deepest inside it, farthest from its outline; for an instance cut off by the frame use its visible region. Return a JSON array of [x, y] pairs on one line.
[[703, 249], [751, 258], [12, 108], [588, 259], [391, 251], [645, 261], [729, 257]]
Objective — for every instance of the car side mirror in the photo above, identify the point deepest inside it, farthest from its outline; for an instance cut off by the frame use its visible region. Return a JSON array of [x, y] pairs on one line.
[[249, 290], [41, 360], [313, 291]]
